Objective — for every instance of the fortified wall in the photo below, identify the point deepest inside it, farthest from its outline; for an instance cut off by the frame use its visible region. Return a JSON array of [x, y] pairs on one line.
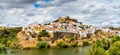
[[57, 35]]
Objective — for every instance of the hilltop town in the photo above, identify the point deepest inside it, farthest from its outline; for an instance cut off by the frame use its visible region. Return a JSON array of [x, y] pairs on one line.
[[63, 29]]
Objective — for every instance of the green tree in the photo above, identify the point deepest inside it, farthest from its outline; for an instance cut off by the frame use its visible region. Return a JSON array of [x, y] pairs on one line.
[[97, 51], [115, 38], [4, 33], [43, 33], [115, 49], [100, 47]]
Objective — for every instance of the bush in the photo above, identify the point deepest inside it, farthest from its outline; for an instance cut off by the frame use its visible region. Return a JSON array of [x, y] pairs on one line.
[[97, 51], [105, 44], [42, 44], [72, 39], [6, 41], [4, 33], [43, 33], [115, 49], [116, 38], [62, 44], [2, 48], [73, 44], [85, 43], [100, 47], [106, 47]]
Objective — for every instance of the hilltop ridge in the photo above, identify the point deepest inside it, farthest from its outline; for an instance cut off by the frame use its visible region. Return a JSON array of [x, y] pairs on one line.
[[66, 19]]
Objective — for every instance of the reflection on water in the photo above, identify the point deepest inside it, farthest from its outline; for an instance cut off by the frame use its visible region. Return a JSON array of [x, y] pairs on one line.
[[55, 51]]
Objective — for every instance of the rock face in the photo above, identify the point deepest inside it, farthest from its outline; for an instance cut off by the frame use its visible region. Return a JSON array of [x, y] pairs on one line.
[[26, 41], [62, 34]]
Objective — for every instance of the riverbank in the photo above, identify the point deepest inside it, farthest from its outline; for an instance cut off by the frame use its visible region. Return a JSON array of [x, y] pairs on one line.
[[9, 39], [44, 41], [49, 51]]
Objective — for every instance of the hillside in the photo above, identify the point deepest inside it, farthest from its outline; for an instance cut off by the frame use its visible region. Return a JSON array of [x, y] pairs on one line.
[[9, 31], [8, 36], [66, 30]]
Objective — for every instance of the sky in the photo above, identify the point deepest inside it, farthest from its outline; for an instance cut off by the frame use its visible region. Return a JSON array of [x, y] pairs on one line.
[[28, 12]]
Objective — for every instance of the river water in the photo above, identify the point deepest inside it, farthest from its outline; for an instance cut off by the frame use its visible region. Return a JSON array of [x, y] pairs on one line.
[[54, 51]]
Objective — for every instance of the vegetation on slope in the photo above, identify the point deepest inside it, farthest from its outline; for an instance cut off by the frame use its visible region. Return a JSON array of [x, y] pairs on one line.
[[8, 37], [106, 47]]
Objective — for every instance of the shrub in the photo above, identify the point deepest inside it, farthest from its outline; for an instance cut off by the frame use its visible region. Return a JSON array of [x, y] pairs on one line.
[[116, 38], [85, 43], [43, 33], [6, 42], [72, 39], [73, 44], [105, 44], [105, 47], [4, 33], [99, 48], [115, 49], [42, 44], [97, 51], [62, 44], [2, 48]]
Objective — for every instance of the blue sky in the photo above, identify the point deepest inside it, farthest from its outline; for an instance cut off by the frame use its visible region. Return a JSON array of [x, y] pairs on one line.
[[93, 12], [37, 5], [48, 0]]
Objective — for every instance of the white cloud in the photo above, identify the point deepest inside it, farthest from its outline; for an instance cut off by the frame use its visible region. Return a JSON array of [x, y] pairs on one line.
[[15, 3], [93, 12]]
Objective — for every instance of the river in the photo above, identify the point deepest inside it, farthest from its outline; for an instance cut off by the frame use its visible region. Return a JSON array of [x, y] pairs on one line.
[[54, 51]]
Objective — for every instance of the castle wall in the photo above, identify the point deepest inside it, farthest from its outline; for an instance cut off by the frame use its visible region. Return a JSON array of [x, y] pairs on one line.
[[62, 34]]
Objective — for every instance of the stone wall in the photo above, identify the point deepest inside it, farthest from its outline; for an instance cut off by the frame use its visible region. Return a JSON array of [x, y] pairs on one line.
[[62, 34]]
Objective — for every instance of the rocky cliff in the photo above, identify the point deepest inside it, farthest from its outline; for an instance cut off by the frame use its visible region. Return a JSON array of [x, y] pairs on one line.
[[25, 41]]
